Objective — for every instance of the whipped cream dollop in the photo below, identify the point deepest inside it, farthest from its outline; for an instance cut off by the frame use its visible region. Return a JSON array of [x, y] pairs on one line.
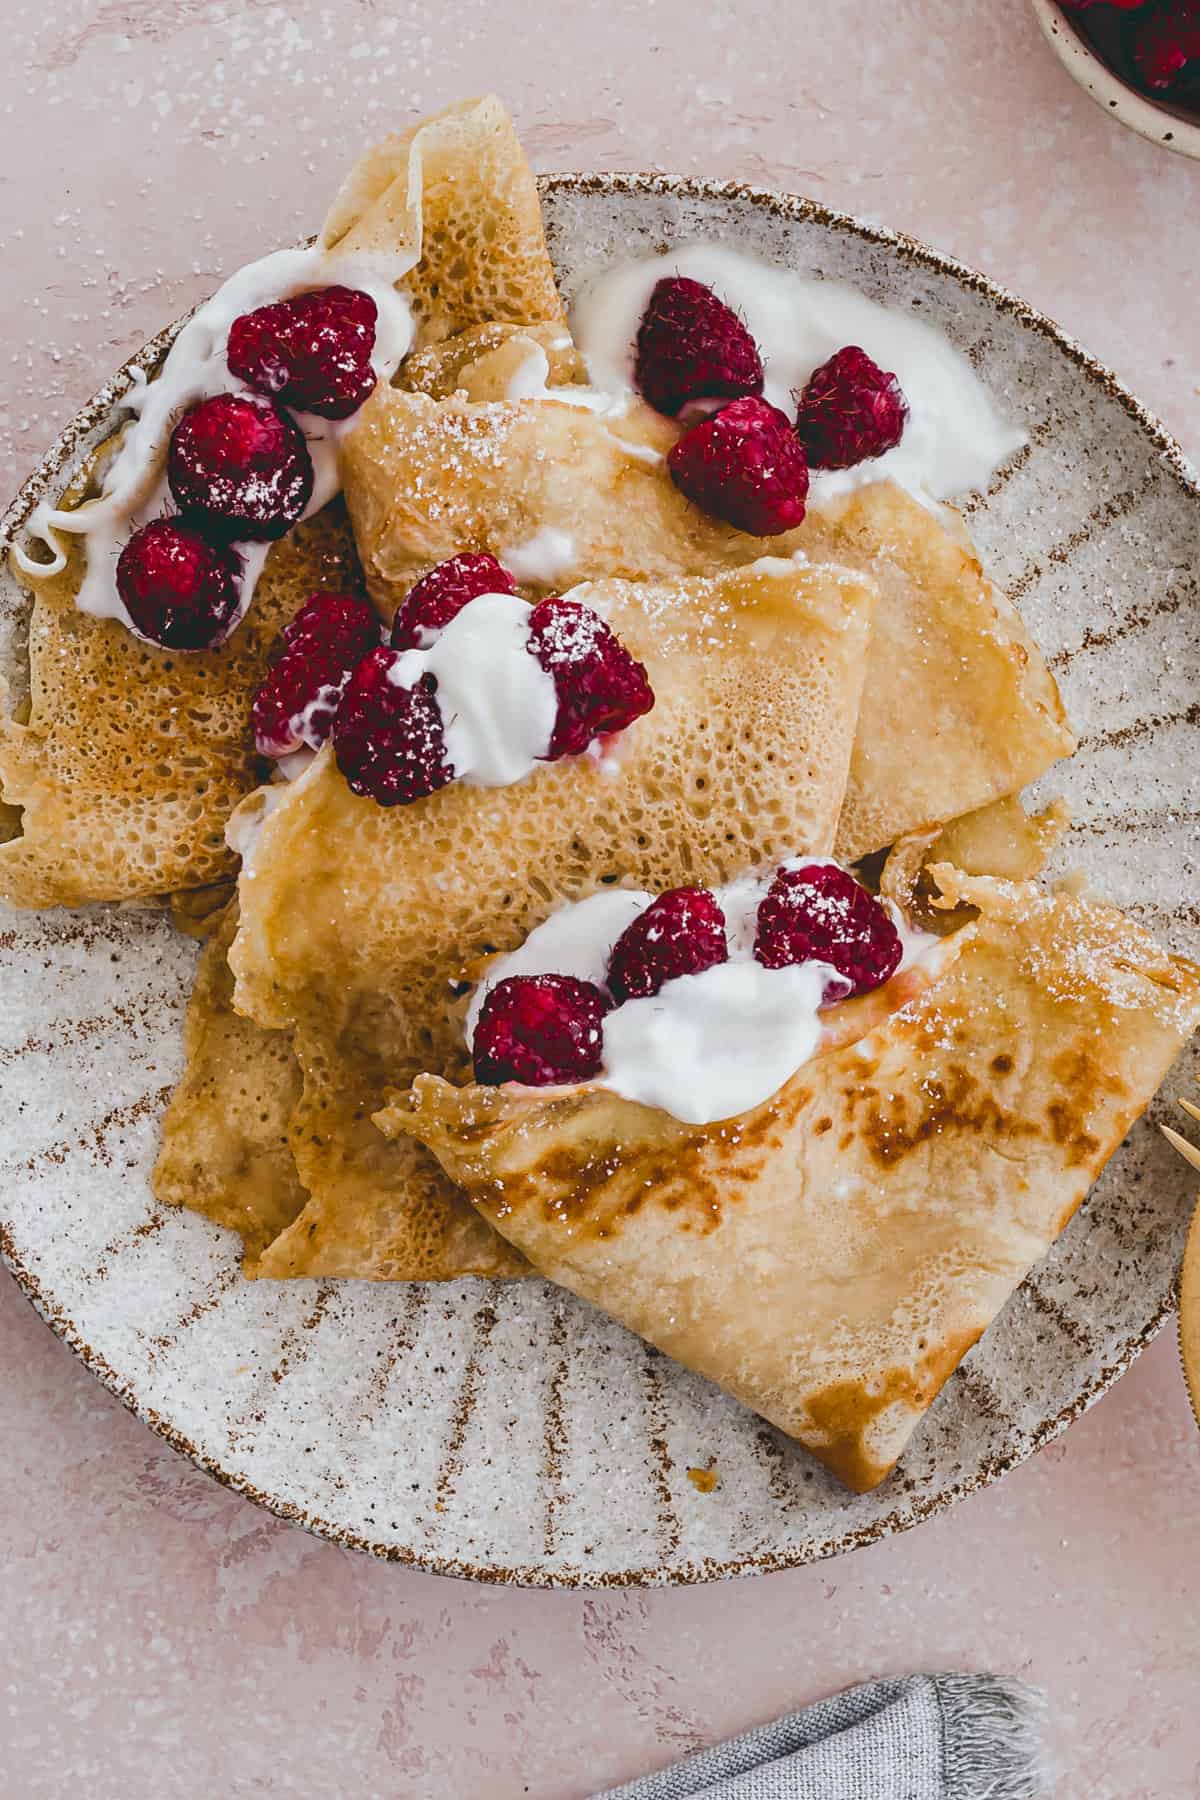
[[955, 438], [134, 488], [498, 704], [530, 381], [542, 558], [705, 1046]]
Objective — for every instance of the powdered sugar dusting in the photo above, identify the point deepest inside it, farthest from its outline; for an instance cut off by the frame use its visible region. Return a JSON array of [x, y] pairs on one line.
[[705, 1046], [97, 285]]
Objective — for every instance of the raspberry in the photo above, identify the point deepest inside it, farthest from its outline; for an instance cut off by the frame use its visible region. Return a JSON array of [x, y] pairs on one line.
[[241, 465], [540, 1030], [691, 346], [1165, 43], [850, 410], [1117, 5], [323, 646], [746, 465], [388, 739], [601, 688], [429, 606], [313, 351], [820, 913], [179, 589], [680, 933]]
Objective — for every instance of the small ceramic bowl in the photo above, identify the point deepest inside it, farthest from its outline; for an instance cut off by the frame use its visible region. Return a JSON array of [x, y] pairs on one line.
[[1153, 119]]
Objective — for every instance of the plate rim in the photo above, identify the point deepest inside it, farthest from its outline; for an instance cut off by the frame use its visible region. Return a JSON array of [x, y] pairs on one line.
[[1189, 1307], [1169, 126], [913, 1510]]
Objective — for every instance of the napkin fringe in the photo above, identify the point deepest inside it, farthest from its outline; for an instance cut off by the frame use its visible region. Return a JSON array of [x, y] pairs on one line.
[[956, 1737], [992, 1738]]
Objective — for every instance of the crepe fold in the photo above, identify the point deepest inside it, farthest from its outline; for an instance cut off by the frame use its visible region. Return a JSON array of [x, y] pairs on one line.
[[959, 706], [120, 762], [356, 922], [126, 760], [458, 189], [226, 1148], [830, 1257]]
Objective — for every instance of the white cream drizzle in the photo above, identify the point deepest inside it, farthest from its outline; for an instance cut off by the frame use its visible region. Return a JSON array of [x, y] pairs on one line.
[[705, 1046], [134, 488], [542, 558], [954, 439], [529, 382], [498, 704]]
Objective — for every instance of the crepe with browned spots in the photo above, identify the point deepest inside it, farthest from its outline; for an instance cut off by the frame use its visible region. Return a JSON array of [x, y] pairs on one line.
[[959, 707], [356, 919], [831, 1256], [120, 762]]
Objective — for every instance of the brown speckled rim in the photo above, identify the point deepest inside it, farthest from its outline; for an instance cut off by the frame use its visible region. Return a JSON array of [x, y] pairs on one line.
[[912, 1509], [1189, 1306]]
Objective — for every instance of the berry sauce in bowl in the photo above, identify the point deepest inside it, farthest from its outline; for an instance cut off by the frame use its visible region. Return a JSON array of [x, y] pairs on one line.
[[1138, 59]]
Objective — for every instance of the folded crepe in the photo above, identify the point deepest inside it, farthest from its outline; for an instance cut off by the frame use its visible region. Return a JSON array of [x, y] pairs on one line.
[[830, 1257], [226, 1149], [227, 1137], [959, 706], [120, 762], [355, 920], [126, 760], [1000, 839], [458, 188]]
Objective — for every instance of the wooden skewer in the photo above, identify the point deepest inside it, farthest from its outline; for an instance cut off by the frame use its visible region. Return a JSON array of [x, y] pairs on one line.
[[1193, 1112], [1188, 1151]]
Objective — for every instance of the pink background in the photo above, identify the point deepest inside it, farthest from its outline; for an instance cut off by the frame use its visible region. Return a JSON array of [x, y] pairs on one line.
[[161, 1638]]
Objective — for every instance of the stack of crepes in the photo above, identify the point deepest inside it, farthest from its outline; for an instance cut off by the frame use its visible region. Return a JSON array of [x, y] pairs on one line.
[[856, 689]]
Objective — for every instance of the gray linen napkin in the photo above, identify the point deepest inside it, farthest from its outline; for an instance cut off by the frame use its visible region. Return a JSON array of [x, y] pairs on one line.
[[916, 1737]]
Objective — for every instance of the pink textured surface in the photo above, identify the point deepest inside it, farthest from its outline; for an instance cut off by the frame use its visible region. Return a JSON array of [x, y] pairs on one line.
[[159, 1637]]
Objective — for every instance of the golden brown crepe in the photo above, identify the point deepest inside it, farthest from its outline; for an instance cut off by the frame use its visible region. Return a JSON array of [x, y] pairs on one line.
[[999, 839], [126, 760], [959, 706], [356, 919], [830, 1257], [226, 1149], [1002, 839], [458, 186], [130, 759], [481, 361]]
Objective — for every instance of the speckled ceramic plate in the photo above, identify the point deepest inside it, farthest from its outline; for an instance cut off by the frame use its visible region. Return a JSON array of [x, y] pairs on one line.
[[1189, 1314], [509, 1432]]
